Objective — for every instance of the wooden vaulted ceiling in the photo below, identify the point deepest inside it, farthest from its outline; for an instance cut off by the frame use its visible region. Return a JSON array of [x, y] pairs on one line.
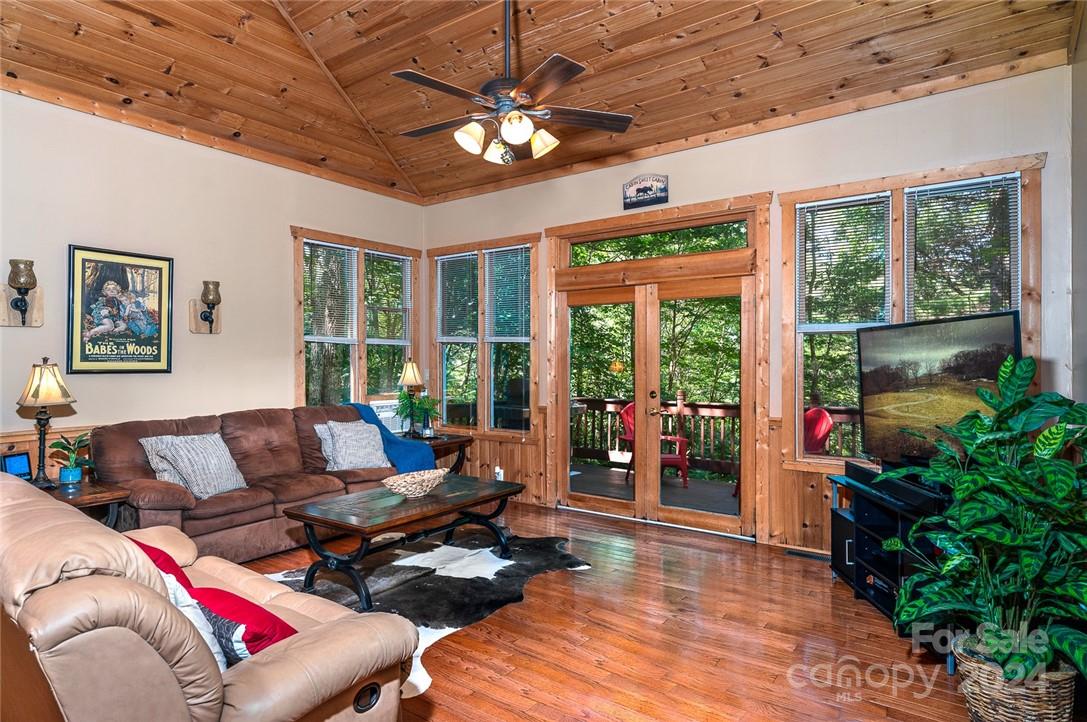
[[306, 84]]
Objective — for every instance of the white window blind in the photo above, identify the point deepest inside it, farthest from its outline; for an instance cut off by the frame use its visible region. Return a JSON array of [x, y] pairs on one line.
[[963, 247], [843, 263], [388, 298], [458, 298], [330, 293], [509, 295]]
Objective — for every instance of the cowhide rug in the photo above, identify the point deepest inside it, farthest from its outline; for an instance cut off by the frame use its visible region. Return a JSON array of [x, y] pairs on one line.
[[443, 588]]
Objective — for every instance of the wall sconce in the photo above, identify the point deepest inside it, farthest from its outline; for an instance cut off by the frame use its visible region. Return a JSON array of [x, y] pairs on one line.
[[23, 280], [210, 298]]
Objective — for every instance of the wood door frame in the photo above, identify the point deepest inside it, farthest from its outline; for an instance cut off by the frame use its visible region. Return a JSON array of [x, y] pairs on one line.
[[749, 267]]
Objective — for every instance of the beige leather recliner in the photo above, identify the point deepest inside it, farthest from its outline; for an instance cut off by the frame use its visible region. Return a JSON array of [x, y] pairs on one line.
[[88, 634]]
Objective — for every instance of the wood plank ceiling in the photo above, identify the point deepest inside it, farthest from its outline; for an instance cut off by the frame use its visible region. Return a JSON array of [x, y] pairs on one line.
[[306, 84]]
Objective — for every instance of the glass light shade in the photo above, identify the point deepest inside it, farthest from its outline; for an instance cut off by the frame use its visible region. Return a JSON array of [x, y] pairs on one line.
[[498, 152], [411, 375], [543, 143], [210, 295], [45, 387], [516, 128], [470, 137], [22, 274]]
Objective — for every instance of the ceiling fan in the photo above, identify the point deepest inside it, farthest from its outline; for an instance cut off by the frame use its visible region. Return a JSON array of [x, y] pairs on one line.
[[511, 104]]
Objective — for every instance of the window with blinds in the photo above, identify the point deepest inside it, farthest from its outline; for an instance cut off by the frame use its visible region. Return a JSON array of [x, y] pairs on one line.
[[843, 262], [458, 297], [962, 247], [509, 300], [508, 320], [388, 319], [329, 321]]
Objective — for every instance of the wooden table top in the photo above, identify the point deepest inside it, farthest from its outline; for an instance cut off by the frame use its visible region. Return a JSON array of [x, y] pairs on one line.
[[376, 510], [89, 494]]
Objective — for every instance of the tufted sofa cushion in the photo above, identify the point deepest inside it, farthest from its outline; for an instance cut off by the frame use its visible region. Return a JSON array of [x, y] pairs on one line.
[[262, 442]]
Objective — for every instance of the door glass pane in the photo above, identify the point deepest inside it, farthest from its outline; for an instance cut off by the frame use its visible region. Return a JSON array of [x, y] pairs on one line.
[[718, 237], [459, 377], [601, 386], [329, 372], [700, 404], [509, 386]]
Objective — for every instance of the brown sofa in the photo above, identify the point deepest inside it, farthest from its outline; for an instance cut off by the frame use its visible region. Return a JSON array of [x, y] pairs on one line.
[[87, 632], [276, 450]]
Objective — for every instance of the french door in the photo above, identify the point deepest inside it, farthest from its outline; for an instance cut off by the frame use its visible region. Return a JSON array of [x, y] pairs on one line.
[[661, 419]]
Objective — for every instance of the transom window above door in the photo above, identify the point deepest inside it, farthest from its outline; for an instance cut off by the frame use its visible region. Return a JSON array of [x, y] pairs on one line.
[[676, 242]]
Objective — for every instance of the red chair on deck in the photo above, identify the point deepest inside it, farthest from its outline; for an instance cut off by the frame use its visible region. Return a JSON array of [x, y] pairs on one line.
[[675, 461], [817, 428]]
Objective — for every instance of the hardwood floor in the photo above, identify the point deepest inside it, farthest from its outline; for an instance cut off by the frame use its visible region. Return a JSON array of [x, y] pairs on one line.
[[674, 625]]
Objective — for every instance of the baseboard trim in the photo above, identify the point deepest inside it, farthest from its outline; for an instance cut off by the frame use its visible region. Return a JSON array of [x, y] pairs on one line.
[[654, 522]]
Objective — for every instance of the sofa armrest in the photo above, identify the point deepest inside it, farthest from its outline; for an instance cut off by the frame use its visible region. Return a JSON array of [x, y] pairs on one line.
[[169, 539], [158, 494], [302, 672]]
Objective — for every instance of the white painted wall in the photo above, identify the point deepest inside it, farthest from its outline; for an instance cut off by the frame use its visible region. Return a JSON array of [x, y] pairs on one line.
[[1021, 115], [67, 177], [1079, 221]]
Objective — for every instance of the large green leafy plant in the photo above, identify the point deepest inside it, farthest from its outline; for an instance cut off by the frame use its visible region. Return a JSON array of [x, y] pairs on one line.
[[1012, 544], [422, 406]]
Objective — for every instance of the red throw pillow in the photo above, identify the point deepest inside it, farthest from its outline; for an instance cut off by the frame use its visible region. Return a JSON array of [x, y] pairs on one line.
[[241, 627], [164, 562]]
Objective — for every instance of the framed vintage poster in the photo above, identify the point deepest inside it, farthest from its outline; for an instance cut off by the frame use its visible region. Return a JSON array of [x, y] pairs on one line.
[[119, 311]]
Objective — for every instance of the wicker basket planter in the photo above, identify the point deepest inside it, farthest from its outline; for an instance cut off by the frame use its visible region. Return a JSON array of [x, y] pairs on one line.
[[415, 483], [990, 698]]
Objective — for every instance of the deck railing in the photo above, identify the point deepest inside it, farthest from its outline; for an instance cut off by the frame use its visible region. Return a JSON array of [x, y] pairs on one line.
[[712, 431]]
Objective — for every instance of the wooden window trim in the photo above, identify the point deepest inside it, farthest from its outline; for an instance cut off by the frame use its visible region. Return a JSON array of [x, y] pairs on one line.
[[482, 430], [299, 235], [1030, 169]]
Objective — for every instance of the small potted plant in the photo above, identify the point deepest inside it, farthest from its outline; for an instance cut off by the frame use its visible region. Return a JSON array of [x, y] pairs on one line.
[[72, 471], [419, 411], [1010, 555]]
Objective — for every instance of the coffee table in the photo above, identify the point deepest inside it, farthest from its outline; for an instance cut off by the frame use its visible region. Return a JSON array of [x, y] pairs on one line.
[[375, 511]]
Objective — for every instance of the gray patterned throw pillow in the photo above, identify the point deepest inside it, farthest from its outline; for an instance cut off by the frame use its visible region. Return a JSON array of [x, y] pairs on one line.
[[202, 461], [328, 449], [164, 470], [357, 445]]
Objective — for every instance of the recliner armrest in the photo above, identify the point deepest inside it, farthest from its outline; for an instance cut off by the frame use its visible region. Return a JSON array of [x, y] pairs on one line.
[[158, 494], [302, 672]]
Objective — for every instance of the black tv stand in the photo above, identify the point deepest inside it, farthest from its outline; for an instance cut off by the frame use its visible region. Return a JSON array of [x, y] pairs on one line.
[[878, 512]]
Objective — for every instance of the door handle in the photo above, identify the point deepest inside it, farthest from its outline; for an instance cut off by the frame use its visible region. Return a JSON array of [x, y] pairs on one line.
[[652, 412]]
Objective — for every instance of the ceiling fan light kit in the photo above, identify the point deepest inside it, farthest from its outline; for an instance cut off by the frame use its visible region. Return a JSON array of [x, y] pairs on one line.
[[471, 137], [499, 153], [511, 104]]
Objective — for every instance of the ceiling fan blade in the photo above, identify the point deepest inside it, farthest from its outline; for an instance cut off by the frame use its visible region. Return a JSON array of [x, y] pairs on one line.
[[440, 85], [435, 127], [552, 74], [595, 119]]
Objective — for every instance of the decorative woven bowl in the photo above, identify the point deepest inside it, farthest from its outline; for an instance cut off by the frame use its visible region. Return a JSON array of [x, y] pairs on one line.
[[415, 483], [1049, 698]]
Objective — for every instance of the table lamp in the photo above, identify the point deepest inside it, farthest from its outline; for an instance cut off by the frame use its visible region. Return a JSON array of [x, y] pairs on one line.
[[44, 389], [410, 378]]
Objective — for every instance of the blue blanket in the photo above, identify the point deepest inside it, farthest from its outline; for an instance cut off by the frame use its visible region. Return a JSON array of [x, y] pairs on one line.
[[405, 454]]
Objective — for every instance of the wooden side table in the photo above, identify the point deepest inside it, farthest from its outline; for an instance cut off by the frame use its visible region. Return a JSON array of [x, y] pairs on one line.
[[444, 444], [89, 495]]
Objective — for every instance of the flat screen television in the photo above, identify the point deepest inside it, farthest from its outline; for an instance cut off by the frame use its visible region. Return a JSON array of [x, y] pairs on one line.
[[924, 374]]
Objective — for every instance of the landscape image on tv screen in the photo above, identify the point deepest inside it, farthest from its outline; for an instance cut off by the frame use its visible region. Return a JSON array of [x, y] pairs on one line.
[[923, 375]]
